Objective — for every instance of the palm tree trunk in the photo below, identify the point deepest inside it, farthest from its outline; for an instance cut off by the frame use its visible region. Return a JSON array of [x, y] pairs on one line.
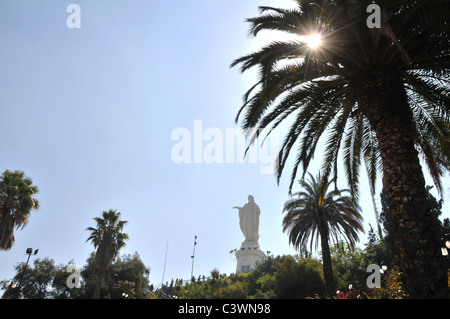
[[101, 270], [383, 101], [326, 259], [98, 285]]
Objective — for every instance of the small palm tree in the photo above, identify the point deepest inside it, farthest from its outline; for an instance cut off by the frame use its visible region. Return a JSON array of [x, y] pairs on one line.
[[315, 214], [16, 204], [108, 239]]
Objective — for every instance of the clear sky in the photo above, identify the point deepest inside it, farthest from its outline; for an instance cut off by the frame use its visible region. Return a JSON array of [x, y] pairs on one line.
[[89, 115]]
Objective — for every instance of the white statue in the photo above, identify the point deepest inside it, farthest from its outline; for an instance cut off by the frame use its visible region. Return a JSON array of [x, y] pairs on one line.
[[249, 220]]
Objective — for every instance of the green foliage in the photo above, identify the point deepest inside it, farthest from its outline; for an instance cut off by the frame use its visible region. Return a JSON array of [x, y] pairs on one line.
[[43, 280], [130, 268], [350, 264], [279, 277], [391, 287], [59, 288], [267, 287], [127, 277], [300, 279]]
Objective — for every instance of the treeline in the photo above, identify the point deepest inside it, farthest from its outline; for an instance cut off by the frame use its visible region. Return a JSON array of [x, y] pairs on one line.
[[299, 277], [126, 278], [281, 277]]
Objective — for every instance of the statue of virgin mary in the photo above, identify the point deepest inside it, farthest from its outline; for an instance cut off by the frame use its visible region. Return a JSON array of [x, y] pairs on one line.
[[249, 220]]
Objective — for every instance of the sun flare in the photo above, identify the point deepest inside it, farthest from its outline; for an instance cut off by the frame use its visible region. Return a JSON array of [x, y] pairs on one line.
[[314, 40]]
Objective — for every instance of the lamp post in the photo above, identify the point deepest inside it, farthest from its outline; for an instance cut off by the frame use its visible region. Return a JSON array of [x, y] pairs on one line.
[[29, 251]]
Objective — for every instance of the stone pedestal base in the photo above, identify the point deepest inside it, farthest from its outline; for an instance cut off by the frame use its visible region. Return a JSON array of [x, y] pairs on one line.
[[248, 256]]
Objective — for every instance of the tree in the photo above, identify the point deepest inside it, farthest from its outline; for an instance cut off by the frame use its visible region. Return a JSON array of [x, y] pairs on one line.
[[215, 282], [60, 288], [126, 275], [130, 269], [16, 204], [315, 214], [108, 239], [381, 94], [349, 267], [31, 282], [299, 279]]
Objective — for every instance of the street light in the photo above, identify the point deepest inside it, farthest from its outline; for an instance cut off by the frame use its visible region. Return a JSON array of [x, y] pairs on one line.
[[11, 284], [444, 250]]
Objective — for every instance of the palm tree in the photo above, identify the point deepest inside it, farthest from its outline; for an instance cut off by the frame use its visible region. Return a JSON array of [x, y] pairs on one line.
[[380, 94], [108, 239], [315, 214], [16, 204]]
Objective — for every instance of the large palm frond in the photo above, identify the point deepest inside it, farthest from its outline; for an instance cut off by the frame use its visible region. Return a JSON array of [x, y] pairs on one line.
[[311, 89]]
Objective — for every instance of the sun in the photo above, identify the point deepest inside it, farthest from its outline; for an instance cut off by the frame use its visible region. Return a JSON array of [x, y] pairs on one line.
[[314, 40]]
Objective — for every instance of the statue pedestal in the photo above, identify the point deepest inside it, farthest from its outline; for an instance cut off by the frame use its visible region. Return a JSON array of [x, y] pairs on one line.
[[248, 256]]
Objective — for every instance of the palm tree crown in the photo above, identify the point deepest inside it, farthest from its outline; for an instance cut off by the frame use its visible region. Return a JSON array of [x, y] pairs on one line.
[[314, 210], [107, 237], [322, 90], [16, 204]]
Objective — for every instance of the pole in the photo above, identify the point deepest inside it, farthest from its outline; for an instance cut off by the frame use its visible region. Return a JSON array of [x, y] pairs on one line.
[[193, 257], [165, 260], [29, 251]]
